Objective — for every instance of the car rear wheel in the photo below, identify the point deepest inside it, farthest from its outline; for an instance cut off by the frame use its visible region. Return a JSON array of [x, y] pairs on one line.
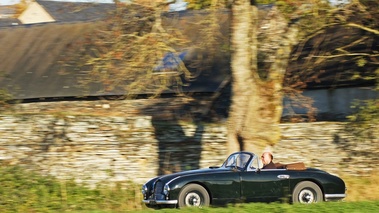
[[307, 192], [193, 195]]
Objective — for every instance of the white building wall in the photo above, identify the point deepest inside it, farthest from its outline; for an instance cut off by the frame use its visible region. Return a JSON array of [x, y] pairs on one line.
[[34, 14]]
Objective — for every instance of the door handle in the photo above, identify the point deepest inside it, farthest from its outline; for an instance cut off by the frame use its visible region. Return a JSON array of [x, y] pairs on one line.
[[283, 176]]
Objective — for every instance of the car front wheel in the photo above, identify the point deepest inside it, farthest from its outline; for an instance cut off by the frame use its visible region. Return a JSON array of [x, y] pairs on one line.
[[193, 195], [307, 192]]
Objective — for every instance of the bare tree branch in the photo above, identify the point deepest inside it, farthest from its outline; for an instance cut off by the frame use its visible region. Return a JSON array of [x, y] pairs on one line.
[[376, 32], [347, 54]]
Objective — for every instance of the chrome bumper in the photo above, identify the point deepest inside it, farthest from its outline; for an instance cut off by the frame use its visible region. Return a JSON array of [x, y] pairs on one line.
[[330, 197], [160, 202]]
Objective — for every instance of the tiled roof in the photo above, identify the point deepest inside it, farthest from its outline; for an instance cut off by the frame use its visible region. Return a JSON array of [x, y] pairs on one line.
[[77, 11], [29, 56], [7, 22], [7, 17]]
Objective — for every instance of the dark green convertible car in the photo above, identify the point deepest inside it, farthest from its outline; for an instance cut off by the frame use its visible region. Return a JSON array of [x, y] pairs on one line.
[[241, 179]]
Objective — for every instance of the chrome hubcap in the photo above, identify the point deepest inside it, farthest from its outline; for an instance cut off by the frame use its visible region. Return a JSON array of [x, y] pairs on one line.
[[193, 199], [306, 196]]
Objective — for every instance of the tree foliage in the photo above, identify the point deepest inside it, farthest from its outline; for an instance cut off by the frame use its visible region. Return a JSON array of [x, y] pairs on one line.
[[347, 44], [20, 7], [342, 52], [139, 51], [125, 53], [5, 99], [135, 38], [364, 122]]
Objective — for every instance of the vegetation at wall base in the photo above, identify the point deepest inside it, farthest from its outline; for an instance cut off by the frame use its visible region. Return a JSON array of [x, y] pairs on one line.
[[24, 191], [5, 99]]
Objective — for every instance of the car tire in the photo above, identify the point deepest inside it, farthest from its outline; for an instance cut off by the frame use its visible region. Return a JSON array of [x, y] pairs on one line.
[[307, 192], [193, 195]]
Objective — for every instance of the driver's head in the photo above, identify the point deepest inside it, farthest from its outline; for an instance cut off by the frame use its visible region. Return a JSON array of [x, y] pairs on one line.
[[267, 158]]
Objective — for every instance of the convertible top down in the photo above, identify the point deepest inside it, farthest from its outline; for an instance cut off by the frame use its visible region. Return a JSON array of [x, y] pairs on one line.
[[241, 179]]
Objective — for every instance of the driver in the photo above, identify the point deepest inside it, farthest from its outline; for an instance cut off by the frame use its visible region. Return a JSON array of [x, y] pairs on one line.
[[267, 161]]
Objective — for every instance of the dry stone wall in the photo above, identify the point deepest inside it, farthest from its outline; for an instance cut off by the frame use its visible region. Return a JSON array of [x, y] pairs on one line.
[[94, 149], [102, 149]]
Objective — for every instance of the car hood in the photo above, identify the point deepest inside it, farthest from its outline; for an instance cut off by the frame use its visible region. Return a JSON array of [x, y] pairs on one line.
[[193, 172]]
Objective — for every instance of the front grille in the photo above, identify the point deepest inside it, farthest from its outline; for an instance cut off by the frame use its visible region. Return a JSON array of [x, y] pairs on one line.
[[158, 187]]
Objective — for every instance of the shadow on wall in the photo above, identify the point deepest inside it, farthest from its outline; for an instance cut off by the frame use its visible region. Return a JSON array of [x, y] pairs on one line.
[[179, 127], [359, 149], [179, 149]]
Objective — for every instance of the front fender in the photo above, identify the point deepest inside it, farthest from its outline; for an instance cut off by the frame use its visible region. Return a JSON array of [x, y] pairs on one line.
[[176, 186]]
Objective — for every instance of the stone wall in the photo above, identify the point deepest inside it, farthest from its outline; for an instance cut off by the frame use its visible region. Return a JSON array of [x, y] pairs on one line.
[[95, 149]]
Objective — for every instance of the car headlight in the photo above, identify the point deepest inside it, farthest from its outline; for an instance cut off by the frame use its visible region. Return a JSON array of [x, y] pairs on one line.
[[144, 189], [166, 189]]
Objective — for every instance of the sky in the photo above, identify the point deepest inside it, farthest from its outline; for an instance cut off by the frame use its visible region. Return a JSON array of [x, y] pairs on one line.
[[10, 2]]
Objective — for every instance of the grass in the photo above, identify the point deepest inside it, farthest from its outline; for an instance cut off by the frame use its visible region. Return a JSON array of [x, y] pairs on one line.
[[335, 207], [25, 191], [363, 188]]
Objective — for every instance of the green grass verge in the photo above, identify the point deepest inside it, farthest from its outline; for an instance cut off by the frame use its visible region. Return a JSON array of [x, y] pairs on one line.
[[335, 207], [25, 191]]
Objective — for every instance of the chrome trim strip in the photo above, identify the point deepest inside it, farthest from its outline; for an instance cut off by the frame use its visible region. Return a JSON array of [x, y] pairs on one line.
[[173, 179], [160, 201], [334, 196]]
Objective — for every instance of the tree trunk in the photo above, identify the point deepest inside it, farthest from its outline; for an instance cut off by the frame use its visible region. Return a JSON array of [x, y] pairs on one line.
[[256, 107]]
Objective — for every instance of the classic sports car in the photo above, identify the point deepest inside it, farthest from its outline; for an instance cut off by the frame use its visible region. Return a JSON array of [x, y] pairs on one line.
[[241, 179]]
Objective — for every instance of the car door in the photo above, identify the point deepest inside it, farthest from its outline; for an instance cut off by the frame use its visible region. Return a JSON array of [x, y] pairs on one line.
[[224, 186], [264, 185]]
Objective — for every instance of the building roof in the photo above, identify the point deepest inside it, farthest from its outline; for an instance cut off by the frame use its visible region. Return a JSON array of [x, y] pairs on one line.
[[30, 56], [7, 16], [354, 67], [341, 55], [7, 22], [77, 11]]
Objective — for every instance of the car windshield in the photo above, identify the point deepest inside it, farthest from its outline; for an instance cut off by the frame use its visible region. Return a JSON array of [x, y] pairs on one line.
[[237, 160]]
